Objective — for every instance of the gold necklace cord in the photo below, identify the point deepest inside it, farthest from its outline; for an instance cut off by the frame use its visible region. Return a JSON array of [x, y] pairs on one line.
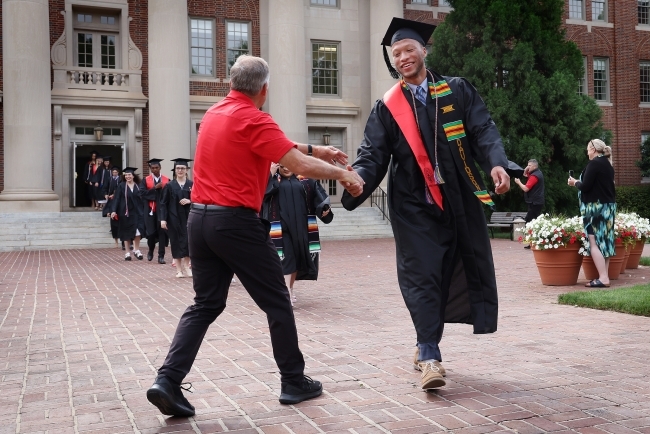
[[468, 170]]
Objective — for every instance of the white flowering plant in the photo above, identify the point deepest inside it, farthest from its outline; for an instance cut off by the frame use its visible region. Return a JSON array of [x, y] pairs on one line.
[[552, 232], [632, 227]]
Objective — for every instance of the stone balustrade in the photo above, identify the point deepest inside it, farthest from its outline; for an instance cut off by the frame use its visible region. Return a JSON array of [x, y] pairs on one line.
[[66, 77]]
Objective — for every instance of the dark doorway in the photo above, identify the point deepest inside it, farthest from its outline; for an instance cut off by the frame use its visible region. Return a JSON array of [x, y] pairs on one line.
[[82, 157]]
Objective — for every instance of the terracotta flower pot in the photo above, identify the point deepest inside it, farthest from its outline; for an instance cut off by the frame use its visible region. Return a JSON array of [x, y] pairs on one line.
[[635, 254], [559, 267], [615, 262], [628, 249]]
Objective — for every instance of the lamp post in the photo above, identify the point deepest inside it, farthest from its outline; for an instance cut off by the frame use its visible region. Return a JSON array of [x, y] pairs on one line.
[[99, 132], [326, 138]]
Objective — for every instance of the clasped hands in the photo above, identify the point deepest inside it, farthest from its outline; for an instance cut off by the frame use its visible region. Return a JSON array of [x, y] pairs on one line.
[[350, 180]]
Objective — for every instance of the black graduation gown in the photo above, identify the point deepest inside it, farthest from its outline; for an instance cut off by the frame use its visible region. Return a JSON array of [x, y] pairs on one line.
[[102, 177], [290, 201], [131, 200], [176, 216], [109, 189], [151, 221], [444, 259]]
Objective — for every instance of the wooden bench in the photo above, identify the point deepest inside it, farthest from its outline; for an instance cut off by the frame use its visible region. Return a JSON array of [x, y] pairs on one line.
[[504, 220]]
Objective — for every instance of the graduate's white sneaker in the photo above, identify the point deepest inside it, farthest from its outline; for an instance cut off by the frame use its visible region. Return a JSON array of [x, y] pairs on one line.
[[180, 274], [188, 272]]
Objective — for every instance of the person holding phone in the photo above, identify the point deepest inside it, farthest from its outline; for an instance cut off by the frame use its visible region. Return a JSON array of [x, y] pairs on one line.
[[292, 200], [533, 191], [597, 197]]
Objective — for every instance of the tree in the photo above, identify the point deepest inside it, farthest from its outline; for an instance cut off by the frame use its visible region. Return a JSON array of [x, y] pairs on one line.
[[644, 162], [515, 53]]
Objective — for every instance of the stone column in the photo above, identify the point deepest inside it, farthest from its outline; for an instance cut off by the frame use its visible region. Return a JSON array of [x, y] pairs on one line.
[[169, 81], [287, 51], [381, 14], [27, 108]]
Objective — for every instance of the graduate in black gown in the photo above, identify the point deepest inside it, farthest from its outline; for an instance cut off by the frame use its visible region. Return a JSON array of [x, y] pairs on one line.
[[151, 189], [127, 208], [292, 200], [109, 194], [87, 176], [174, 211], [445, 268], [102, 178]]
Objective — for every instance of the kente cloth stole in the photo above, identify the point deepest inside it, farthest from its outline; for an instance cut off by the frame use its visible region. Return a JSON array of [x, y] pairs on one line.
[[401, 110], [455, 132], [313, 235], [151, 184], [276, 237]]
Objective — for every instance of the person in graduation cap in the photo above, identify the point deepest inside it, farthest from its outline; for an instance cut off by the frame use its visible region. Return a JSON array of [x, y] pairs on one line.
[[127, 209], [427, 132], [151, 190], [88, 178], [102, 178], [174, 211], [109, 194]]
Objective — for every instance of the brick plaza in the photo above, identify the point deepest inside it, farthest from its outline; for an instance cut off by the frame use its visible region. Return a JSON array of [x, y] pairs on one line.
[[82, 333]]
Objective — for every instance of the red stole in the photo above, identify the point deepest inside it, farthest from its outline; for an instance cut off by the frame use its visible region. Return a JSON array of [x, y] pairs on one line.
[[402, 112], [151, 184]]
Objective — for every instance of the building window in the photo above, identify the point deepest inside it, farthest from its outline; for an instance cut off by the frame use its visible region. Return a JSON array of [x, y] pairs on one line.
[[644, 137], [90, 131], [576, 10], [330, 3], [644, 70], [643, 7], [420, 2], [601, 85], [325, 72], [598, 10], [238, 42], [444, 3], [97, 39], [202, 46], [582, 82]]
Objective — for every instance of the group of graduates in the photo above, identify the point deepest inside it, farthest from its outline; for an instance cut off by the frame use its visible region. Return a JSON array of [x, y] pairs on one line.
[[155, 208], [97, 176]]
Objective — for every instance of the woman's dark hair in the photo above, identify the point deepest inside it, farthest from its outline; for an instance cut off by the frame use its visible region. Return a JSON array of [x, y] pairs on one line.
[[109, 163], [136, 178]]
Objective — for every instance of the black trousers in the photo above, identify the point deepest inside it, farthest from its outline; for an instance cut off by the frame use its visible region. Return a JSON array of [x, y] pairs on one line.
[[161, 238], [534, 211], [222, 243]]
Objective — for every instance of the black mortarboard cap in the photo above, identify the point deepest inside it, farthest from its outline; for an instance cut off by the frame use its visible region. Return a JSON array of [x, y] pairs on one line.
[[93, 152], [130, 170], [154, 161], [115, 168], [107, 158], [400, 29], [181, 162]]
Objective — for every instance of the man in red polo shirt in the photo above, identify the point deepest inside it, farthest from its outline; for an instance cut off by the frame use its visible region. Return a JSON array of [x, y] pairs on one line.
[[236, 145]]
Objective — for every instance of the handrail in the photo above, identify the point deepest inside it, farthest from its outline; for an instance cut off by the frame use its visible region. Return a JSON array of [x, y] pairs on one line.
[[379, 198]]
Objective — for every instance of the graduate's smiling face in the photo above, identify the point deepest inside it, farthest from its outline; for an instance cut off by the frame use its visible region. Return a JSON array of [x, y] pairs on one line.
[[128, 177], [409, 56], [284, 172]]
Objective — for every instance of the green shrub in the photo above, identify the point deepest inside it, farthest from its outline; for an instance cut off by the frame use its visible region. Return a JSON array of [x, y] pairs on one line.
[[634, 198]]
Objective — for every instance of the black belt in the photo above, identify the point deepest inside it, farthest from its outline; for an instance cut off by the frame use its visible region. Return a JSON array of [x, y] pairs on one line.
[[203, 207]]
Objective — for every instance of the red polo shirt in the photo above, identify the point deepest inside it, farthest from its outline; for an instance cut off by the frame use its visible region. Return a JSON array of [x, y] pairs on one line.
[[235, 148]]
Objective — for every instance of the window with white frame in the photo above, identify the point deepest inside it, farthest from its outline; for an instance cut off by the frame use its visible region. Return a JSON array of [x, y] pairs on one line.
[[601, 79], [643, 9], [577, 9], [644, 136], [420, 2], [644, 79], [325, 68], [97, 36], [238, 41], [599, 10], [444, 3], [582, 82], [330, 3], [202, 46]]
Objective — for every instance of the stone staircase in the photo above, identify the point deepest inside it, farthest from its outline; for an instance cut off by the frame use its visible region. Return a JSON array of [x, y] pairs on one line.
[[363, 222], [52, 231], [89, 230]]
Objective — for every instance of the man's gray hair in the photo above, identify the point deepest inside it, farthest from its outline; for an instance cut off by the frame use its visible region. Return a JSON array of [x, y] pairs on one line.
[[249, 74], [532, 160]]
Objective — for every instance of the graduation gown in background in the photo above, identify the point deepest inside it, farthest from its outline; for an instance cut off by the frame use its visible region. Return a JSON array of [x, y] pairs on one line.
[[176, 216], [290, 201], [88, 180], [151, 220], [124, 200], [444, 258], [109, 189], [102, 177]]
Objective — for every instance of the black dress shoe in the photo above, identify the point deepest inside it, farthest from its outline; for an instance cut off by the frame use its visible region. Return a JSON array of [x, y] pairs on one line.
[[169, 399], [139, 256], [127, 258], [292, 393], [150, 256], [161, 260]]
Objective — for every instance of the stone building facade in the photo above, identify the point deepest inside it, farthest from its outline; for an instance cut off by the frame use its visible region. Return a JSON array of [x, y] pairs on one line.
[[146, 71]]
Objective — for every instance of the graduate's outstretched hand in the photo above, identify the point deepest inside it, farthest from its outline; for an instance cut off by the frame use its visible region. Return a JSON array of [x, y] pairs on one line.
[[330, 154], [352, 182], [501, 180], [163, 224]]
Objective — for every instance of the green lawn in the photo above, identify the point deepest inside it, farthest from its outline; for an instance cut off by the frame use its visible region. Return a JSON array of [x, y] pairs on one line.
[[645, 260], [634, 300]]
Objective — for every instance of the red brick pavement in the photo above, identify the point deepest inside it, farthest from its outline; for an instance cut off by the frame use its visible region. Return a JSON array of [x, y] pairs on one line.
[[82, 332]]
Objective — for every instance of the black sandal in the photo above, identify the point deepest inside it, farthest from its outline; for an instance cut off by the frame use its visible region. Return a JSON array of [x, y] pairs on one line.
[[596, 283]]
